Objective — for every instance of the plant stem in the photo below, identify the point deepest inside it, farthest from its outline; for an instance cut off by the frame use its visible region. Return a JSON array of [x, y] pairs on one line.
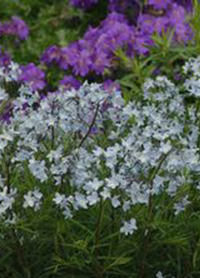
[[90, 127], [99, 270]]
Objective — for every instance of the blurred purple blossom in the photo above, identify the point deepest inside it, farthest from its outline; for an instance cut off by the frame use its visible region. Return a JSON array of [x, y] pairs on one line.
[[51, 55], [111, 86], [7, 113], [33, 76], [174, 19], [69, 82], [159, 4], [15, 27], [188, 4], [5, 58]]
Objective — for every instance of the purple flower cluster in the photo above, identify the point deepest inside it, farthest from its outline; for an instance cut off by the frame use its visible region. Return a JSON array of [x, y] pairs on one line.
[[83, 4], [174, 19], [33, 76], [52, 55], [121, 5], [159, 4], [96, 51], [15, 27], [188, 4]]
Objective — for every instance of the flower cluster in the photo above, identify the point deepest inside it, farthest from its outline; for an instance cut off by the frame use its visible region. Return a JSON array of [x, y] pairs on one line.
[[174, 19], [192, 69], [13, 75], [96, 51], [30, 74], [90, 147], [9, 73], [122, 5], [15, 27]]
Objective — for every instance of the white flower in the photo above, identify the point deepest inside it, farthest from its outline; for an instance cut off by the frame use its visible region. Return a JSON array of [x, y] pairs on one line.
[[115, 202], [55, 154], [98, 151], [59, 198], [93, 198], [126, 206], [159, 274], [129, 227], [3, 144], [5, 203], [33, 199], [93, 185], [11, 220], [81, 201], [180, 206], [38, 169], [6, 200], [113, 182], [165, 147], [3, 95], [105, 193]]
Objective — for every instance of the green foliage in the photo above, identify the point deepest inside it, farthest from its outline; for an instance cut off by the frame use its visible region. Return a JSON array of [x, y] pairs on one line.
[[50, 22], [46, 245]]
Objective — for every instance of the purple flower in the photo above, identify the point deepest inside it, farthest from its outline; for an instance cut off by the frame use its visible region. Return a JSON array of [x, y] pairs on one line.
[[159, 4], [174, 19], [149, 24], [15, 27], [177, 15], [69, 82], [141, 43], [82, 63], [51, 55], [5, 58], [96, 51], [111, 86], [33, 76], [69, 55], [100, 62], [188, 4]]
